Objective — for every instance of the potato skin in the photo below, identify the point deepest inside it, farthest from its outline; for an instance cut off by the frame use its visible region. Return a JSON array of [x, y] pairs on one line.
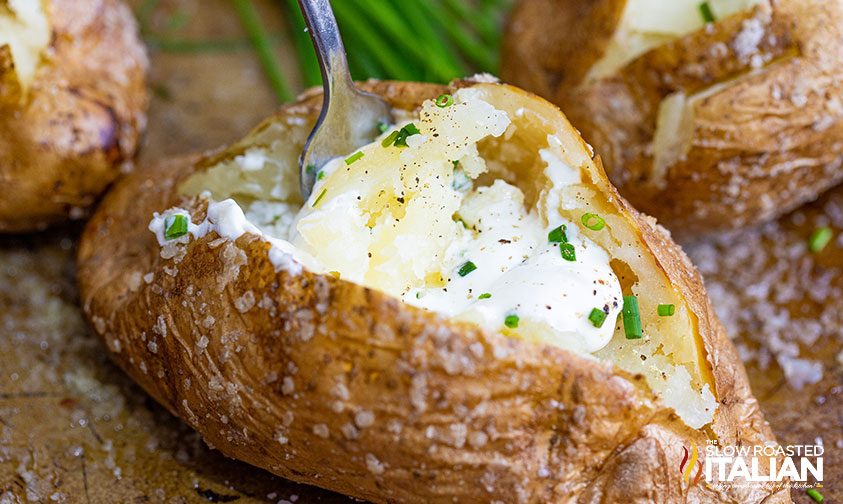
[[81, 120], [329, 383], [767, 142]]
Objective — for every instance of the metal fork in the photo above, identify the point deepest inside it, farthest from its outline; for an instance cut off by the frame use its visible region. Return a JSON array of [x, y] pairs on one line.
[[349, 117]]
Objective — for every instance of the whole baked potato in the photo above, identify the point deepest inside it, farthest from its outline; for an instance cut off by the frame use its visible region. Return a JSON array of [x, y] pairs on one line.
[[709, 115], [464, 310], [72, 105]]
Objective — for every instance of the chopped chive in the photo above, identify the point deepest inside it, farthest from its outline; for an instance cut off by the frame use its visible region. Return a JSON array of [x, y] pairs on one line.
[[568, 252], [175, 226], [444, 100], [820, 239], [485, 295], [390, 139], [593, 221], [511, 321], [405, 132], [319, 198], [558, 235], [631, 318], [814, 494], [666, 310], [597, 317], [310, 169], [383, 127], [707, 13], [354, 157], [466, 268], [419, 295], [320, 175]]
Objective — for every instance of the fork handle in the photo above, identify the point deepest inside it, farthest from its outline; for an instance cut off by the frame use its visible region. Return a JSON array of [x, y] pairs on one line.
[[323, 29]]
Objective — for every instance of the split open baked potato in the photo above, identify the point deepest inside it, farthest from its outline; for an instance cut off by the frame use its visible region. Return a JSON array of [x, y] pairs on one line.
[[709, 115], [346, 342], [72, 105]]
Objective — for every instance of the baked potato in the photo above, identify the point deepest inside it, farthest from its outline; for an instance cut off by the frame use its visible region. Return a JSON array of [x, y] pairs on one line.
[[463, 310], [709, 115], [72, 106]]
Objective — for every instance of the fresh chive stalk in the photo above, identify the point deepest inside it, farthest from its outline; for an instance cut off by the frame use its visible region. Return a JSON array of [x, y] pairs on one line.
[[263, 47], [308, 64]]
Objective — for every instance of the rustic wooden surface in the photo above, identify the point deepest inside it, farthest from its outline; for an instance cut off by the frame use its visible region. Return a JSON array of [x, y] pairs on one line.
[[73, 428]]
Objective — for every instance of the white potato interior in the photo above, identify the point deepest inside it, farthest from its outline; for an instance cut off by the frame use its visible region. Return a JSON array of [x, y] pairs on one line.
[[261, 177], [25, 29], [646, 24]]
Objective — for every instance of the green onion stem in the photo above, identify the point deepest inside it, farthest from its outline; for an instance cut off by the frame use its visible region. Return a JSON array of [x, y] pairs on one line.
[[434, 41], [483, 25], [305, 54], [263, 47], [476, 52], [395, 67]]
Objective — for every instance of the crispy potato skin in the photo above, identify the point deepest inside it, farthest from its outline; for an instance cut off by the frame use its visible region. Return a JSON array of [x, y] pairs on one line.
[[767, 142], [81, 120], [329, 383]]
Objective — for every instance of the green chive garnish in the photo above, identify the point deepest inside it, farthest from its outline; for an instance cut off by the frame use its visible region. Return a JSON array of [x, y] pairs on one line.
[[814, 494], [466, 268], [444, 100], [666, 310], [319, 198], [320, 175], [597, 317], [390, 139], [593, 221], [309, 169], [354, 157], [407, 131], [511, 321], [820, 239], [485, 295], [558, 235], [382, 127], [631, 318], [568, 252], [175, 226], [706, 12]]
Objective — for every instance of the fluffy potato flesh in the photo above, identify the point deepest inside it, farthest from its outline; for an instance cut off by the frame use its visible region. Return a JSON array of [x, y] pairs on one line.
[[485, 182], [25, 31], [646, 24]]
